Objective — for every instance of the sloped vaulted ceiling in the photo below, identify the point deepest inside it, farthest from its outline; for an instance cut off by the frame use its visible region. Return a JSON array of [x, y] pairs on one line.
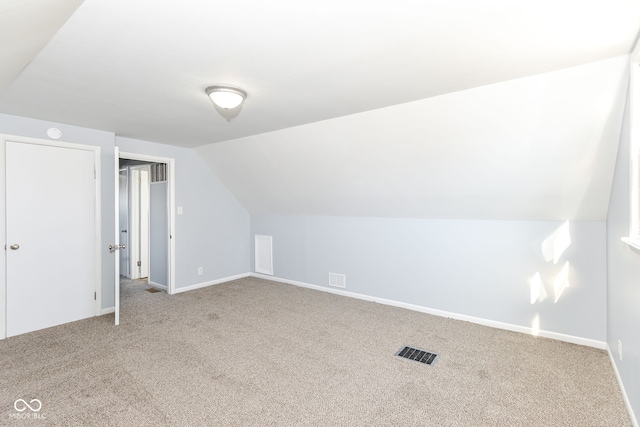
[[541, 147], [26, 26], [459, 109]]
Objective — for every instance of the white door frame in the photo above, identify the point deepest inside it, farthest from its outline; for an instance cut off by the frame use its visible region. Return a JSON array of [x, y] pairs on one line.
[[98, 219], [124, 172], [138, 214], [116, 240], [170, 162]]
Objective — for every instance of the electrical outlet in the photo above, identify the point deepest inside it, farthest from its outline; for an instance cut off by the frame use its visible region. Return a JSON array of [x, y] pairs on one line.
[[620, 349], [200, 271]]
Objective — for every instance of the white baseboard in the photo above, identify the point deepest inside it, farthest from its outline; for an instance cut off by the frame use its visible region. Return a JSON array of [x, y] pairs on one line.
[[627, 402], [157, 285], [210, 283], [108, 310], [492, 323]]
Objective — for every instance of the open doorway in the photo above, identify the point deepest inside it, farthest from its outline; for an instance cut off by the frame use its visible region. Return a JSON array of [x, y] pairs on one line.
[[144, 223]]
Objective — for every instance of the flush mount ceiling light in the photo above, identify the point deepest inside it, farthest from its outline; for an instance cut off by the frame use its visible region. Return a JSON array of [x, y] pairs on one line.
[[226, 97]]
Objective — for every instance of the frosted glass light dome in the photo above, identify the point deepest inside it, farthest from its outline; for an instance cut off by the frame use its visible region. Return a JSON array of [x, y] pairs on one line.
[[226, 97]]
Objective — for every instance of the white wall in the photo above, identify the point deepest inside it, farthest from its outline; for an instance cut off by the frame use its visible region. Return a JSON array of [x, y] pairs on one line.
[[623, 296], [469, 267], [213, 231]]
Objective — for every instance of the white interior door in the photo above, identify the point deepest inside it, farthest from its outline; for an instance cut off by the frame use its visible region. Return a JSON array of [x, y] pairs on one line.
[[144, 229], [123, 197], [51, 236], [116, 263], [139, 221]]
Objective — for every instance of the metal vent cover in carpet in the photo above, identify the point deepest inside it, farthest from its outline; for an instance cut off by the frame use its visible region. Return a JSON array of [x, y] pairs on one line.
[[417, 355]]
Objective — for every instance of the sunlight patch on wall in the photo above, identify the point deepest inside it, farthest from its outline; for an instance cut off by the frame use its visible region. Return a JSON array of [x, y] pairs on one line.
[[538, 292], [557, 243], [562, 282], [535, 325], [553, 248]]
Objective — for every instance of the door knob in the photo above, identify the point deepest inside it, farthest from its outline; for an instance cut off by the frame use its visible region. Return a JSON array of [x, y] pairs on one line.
[[15, 247]]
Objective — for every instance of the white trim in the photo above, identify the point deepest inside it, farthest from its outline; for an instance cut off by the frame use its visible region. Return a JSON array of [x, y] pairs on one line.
[[634, 148], [627, 402], [189, 288], [98, 217], [133, 214], [139, 214], [122, 240], [3, 267], [107, 310], [157, 285], [171, 207], [491, 323], [211, 283], [116, 237], [632, 241]]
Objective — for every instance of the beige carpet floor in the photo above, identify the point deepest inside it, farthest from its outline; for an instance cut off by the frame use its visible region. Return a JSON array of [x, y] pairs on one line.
[[258, 353]]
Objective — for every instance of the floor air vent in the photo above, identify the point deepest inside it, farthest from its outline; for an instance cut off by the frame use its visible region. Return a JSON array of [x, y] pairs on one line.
[[152, 290], [417, 355]]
